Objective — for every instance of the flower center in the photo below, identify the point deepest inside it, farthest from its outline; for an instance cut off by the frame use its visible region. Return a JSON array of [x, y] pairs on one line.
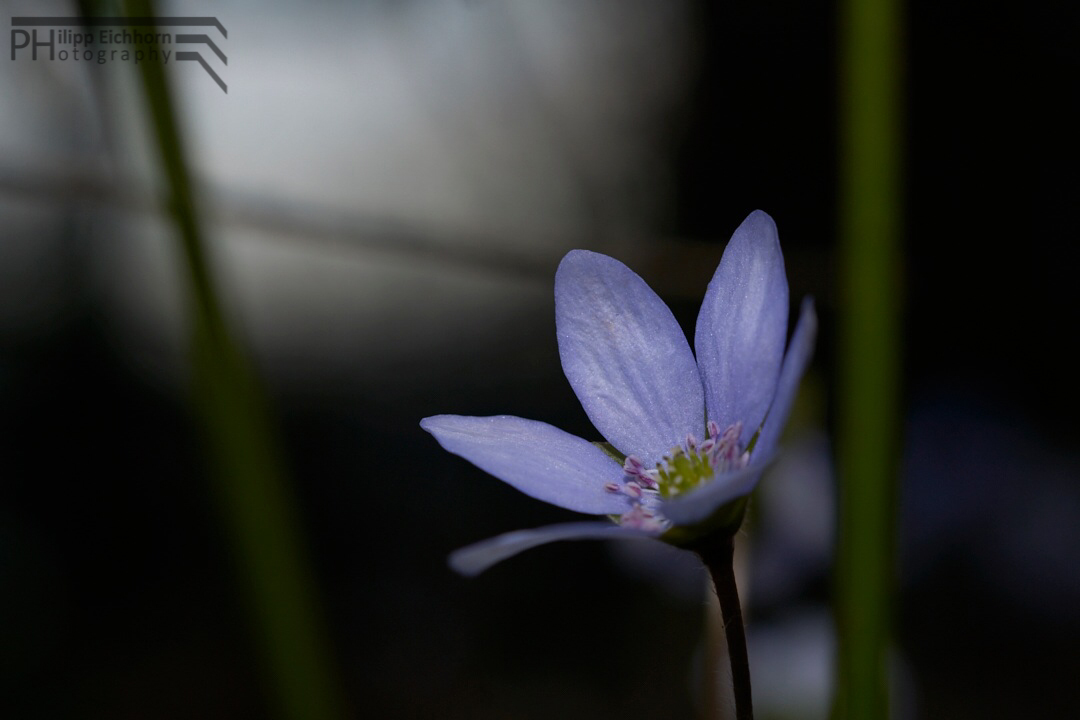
[[689, 465]]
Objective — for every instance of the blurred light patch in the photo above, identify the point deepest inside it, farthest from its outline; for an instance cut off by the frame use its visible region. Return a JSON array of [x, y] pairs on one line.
[[985, 489], [793, 521], [391, 183]]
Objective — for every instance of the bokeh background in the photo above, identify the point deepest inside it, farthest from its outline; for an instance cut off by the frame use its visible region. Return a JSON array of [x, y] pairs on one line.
[[389, 187]]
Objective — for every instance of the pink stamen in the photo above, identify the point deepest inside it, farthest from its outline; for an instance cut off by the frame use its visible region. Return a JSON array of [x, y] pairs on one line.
[[643, 518], [713, 428]]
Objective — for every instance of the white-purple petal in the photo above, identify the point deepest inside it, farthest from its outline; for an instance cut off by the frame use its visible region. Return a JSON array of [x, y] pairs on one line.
[[742, 326], [536, 458], [799, 352], [625, 356], [698, 504], [474, 559]]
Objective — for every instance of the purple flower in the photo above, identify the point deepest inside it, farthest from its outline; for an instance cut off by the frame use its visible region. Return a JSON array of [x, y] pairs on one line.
[[687, 437]]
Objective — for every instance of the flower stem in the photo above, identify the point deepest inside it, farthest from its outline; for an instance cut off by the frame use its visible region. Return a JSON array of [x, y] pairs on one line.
[[718, 555]]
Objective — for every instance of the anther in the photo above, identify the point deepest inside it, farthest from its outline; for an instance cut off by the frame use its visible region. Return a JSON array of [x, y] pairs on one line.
[[714, 429], [642, 518]]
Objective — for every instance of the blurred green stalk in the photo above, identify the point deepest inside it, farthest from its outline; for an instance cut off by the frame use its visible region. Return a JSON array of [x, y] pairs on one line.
[[868, 423], [255, 500]]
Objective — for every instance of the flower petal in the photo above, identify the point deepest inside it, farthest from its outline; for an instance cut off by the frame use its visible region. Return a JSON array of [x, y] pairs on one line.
[[742, 326], [799, 351], [697, 505], [538, 459], [475, 559], [625, 356]]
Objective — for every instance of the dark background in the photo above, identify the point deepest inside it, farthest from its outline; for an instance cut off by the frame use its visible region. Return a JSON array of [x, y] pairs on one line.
[[118, 594]]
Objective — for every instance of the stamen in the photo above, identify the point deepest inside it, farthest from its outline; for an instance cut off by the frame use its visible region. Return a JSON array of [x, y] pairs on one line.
[[687, 466], [690, 465], [643, 518]]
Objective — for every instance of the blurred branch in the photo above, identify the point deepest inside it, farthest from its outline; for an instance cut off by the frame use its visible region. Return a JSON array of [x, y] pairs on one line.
[[680, 268], [281, 217]]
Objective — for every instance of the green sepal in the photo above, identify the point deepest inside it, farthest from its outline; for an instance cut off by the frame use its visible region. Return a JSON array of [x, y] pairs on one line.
[[726, 521], [612, 452]]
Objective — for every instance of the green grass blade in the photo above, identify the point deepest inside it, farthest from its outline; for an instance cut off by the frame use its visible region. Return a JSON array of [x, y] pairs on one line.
[[868, 423], [254, 496]]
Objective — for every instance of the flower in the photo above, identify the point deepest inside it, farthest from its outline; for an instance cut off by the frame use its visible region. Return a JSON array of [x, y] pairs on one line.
[[687, 437]]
